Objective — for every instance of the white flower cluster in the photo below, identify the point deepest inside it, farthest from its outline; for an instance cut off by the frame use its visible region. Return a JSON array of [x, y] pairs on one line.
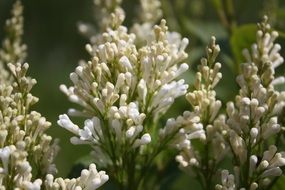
[[26, 152], [202, 123], [124, 89], [13, 50], [109, 14], [21, 130], [260, 171], [149, 14], [265, 54], [120, 73], [228, 181], [137, 71], [89, 180], [253, 118], [16, 173], [150, 11]]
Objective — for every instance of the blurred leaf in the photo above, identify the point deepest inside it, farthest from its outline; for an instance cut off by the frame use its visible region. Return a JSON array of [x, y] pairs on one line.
[[280, 184], [228, 61], [85, 160], [282, 34], [217, 4], [242, 37], [185, 182], [204, 30], [76, 171], [195, 54], [280, 13]]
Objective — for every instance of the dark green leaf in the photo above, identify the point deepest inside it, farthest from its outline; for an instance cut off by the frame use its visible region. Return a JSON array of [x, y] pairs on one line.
[[242, 37], [204, 30], [280, 183]]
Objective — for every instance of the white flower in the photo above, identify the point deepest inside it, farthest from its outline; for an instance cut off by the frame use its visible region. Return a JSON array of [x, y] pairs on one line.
[[145, 139], [228, 181], [36, 185], [5, 157], [89, 179], [66, 123]]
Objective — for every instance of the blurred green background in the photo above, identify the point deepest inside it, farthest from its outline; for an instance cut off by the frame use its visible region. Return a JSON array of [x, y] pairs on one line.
[[55, 47]]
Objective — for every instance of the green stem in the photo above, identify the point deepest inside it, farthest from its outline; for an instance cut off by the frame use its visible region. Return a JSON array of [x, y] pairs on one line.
[[272, 183], [208, 173]]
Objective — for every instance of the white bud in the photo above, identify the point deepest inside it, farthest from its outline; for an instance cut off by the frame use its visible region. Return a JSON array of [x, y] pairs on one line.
[[273, 172], [146, 138], [89, 48], [253, 133], [66, 123], [124, 61], [130, 132]]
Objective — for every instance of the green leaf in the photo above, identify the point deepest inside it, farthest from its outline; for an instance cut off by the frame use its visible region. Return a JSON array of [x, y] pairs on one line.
[[204, 30], [227, 60], [85, 160], [217, 4], [282, 34], [280, 183], [242, 37]]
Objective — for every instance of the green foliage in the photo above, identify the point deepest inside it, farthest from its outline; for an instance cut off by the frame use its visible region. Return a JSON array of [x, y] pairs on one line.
[[280, 184], [242, 37]]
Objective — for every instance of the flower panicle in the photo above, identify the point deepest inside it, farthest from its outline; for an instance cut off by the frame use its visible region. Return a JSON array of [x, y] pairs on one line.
[[23, 130], [123, 90], [254, 118], [204, 122], [13, 50]]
